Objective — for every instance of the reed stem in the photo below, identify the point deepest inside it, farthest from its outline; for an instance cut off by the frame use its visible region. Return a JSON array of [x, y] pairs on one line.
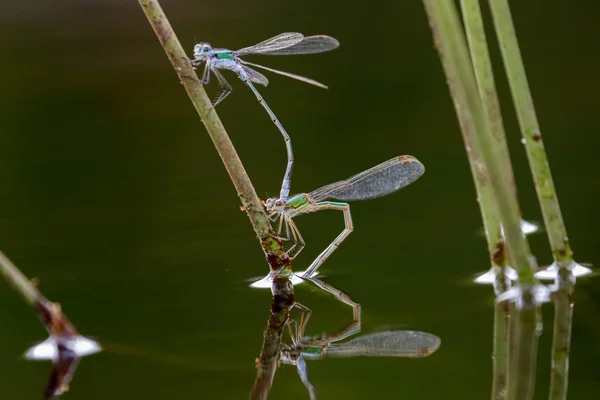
[[530, 130], [450, 42], [475, 33], [546, 192]]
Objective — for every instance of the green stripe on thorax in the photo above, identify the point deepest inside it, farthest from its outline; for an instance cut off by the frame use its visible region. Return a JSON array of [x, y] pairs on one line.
[[313, 349], [224, 54], [298, 201]]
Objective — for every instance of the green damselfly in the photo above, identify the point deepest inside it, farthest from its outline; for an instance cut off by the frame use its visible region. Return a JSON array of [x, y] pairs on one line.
[[378, 181]]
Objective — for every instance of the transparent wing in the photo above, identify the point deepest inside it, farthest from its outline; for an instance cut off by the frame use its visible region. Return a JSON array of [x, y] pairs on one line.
[[411, 344], [308, 45], [256, 76], [378, 181], [275, 43], [289, 75]]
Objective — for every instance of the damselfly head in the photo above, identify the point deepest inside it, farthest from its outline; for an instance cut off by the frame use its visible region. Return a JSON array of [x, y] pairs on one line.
[[202, 50], [274, 204]]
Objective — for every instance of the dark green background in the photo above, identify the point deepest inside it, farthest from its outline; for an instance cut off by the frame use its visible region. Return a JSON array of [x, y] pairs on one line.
[[114, 196]]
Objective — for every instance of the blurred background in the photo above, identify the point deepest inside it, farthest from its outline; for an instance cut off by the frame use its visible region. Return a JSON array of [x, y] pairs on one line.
[[115, 198]]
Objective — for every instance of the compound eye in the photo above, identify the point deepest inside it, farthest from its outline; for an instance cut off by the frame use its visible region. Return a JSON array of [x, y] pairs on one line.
[[279, 203], [205, 48]]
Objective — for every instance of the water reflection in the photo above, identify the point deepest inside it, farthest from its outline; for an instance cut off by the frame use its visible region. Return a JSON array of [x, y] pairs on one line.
[[267, 281], [266, 365], [394, 343], [64, 348]]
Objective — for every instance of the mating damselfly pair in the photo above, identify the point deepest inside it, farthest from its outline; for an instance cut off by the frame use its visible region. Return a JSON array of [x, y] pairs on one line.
[[378, 181]]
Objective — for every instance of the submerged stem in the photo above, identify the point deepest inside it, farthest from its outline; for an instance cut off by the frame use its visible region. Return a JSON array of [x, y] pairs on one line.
[[501, 350], [561, 340]]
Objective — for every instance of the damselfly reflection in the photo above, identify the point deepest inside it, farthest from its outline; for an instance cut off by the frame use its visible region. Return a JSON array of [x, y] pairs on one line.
[[399, 343], [64, 347]]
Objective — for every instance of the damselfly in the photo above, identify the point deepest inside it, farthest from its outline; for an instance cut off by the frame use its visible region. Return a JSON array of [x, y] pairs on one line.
[[283, 44], [378, 181]]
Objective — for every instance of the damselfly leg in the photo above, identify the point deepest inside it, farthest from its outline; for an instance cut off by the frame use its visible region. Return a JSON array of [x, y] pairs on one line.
[[349, 227]]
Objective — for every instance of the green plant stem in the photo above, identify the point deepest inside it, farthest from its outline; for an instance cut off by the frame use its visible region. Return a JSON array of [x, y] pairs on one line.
[[251, 203], [530, 130], [542, 177], [485, 81], [450, 42], [487, 163], [19, 281], [487, 91], [487, 206]]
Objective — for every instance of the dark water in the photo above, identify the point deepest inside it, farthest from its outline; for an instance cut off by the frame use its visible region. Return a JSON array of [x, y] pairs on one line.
[[113, 195]]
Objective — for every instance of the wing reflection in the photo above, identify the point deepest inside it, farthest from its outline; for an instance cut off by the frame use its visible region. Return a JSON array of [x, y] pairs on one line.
[[395, 343]]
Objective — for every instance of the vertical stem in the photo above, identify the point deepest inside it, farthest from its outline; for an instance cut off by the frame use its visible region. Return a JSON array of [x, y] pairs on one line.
[[450, 42], [530, 130], [457, 64], [485, 81], [487, 91], [542, 177], [250, 201]]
